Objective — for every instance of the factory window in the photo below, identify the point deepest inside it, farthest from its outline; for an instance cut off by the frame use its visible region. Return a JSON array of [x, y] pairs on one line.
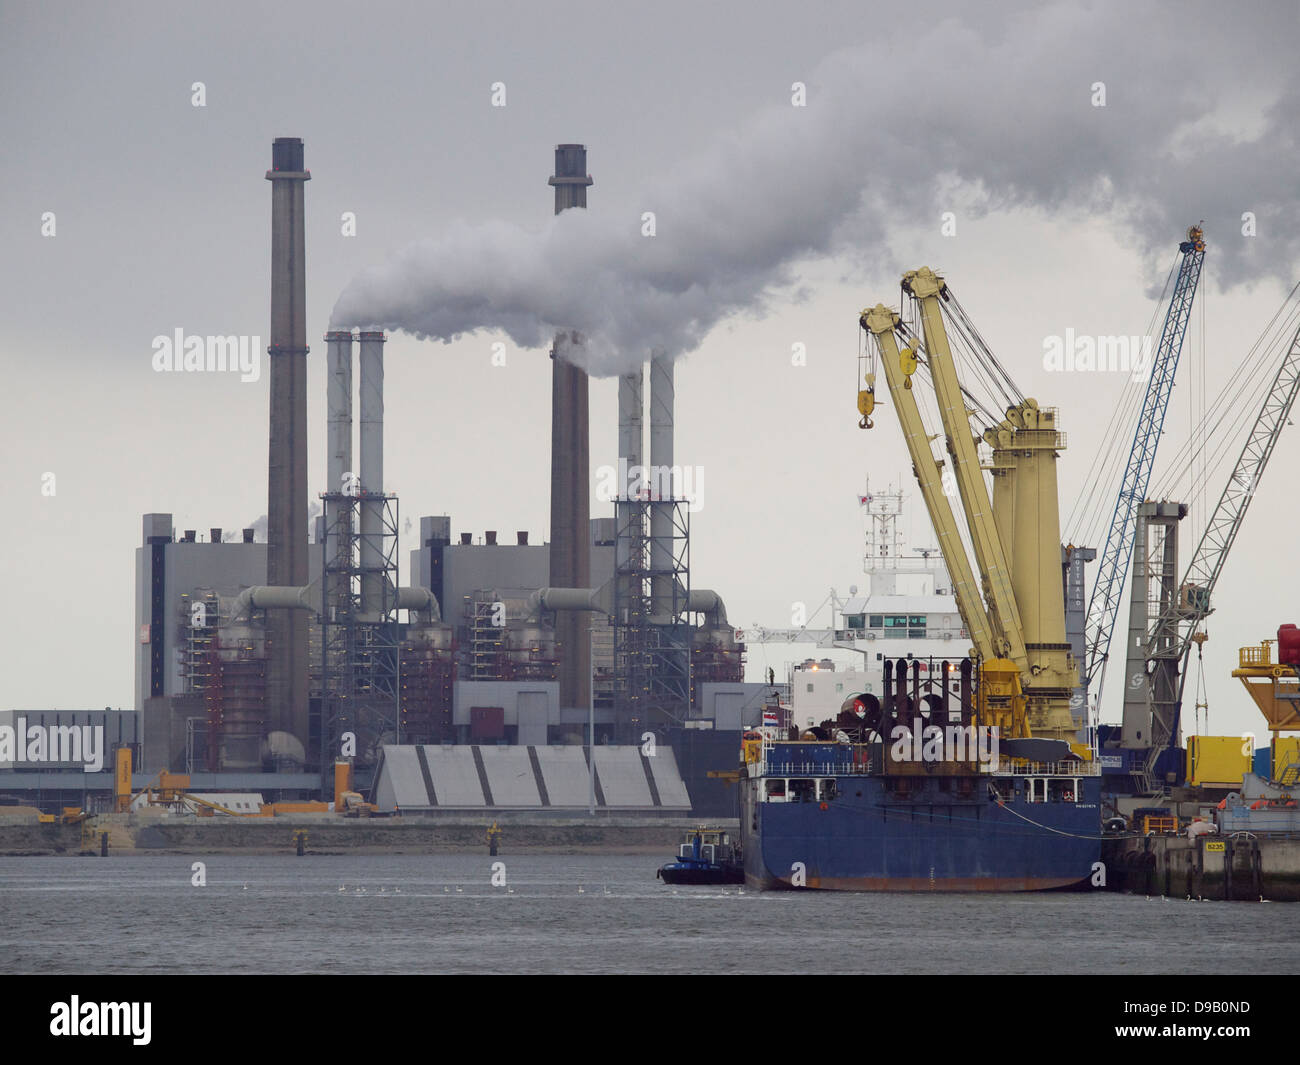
[[810, 687], [917, 619], [916, 634], [839, 687], [877, 621], [895, 621]]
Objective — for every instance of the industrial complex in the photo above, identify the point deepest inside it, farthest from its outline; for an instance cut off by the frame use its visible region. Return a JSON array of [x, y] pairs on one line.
[[260, 665]]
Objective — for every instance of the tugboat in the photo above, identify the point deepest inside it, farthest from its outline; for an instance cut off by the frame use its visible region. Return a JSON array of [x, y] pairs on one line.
[[705, 856]]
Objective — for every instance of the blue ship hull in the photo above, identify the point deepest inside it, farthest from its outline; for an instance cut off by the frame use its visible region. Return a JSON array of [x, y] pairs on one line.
[[937, 837]]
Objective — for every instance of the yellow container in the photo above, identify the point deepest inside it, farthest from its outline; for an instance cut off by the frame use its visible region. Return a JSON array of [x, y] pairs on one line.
[[1218, 760]]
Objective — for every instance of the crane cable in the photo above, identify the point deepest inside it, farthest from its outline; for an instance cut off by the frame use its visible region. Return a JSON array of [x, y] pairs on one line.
[[1249, 388], [957, 313], [1107, 464]]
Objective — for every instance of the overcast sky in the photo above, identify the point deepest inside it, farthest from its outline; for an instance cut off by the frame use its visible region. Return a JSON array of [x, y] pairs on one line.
[[775, 226]]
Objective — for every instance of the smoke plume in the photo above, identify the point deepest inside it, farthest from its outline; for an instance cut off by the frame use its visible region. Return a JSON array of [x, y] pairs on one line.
[[1127, 119]]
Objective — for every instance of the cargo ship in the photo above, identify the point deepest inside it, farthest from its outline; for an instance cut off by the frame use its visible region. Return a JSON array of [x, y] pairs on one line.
[[908, 794]]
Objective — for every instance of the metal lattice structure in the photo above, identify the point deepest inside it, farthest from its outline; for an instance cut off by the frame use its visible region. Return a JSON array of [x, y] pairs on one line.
[[486, 635], [1113, 571], [1170, 637], [360, 664], [652, 654]]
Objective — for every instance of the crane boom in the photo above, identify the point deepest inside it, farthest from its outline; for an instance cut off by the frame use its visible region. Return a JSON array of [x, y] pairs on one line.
[[927, 288], [1212, 552], [1015, 611], [1103, 607], [881, 322]]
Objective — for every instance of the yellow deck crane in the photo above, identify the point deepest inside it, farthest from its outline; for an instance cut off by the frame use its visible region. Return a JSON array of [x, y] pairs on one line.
[[1015, 614]]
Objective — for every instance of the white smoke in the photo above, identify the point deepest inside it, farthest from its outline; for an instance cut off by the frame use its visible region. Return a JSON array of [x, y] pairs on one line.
[[892, 135]]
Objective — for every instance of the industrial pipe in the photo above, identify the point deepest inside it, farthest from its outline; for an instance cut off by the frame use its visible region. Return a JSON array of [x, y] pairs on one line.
[[372, 474], [706, 601], [628, 529], [339, 464], [276, 597], [420, 600], [597, 600], [662, 399]]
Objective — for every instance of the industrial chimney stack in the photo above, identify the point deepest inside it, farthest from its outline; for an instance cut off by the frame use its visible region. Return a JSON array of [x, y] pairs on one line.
[[286, 552], [570, 466]]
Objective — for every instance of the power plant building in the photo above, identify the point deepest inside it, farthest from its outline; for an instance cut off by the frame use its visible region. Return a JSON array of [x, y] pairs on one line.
[[279, 657]]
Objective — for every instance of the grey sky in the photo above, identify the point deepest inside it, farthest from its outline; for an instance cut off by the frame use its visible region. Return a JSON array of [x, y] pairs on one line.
[[1067, 215]]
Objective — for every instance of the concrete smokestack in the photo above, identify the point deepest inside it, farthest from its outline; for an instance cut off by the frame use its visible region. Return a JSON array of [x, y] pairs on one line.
[[372, 474], [286, 531], [570, 465], [662, 400], [339, 458]]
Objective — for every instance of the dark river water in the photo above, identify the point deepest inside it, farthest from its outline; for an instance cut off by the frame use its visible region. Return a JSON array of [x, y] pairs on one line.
[[403, 914]]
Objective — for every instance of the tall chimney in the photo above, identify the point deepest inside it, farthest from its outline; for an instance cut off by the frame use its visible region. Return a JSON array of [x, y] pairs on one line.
[[286, 532], [338, 459], [631, 453], [372, 474], [662, 399], [570, 467]]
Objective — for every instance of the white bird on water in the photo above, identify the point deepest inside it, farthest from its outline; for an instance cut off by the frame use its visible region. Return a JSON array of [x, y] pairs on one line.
[[581, 890]]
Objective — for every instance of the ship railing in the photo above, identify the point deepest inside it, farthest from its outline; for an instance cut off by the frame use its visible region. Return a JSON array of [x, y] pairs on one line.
[[1007, 767], [813, 769]]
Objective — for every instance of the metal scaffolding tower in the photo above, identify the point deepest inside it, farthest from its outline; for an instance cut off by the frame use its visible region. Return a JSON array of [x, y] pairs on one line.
[[486, 635], [360, 684], [652, 636]]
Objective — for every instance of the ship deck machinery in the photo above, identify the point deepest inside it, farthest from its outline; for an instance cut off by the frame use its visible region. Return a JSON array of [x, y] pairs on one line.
[[913, 792]]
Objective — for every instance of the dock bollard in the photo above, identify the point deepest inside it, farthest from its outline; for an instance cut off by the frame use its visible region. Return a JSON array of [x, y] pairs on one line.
[[300, 838], [103, 845]]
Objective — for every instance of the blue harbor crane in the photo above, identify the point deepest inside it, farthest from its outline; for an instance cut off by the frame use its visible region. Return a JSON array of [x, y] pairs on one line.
[[1103, 607]]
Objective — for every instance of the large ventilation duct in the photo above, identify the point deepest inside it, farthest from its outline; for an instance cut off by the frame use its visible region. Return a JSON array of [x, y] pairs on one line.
[[339, 459], [707, 601], [662, 400], [566, 601], [372, 476], [286, 533], [570, 555], [420, 600], [280, 598]]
